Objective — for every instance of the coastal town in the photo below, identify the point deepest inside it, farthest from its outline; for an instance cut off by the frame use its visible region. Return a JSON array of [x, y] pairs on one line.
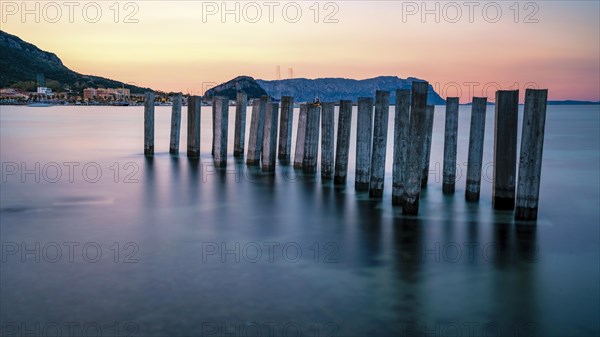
[[89, 96], [49, 92]]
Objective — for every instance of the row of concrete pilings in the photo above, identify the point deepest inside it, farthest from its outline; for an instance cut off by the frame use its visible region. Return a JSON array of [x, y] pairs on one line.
[[271, 137]]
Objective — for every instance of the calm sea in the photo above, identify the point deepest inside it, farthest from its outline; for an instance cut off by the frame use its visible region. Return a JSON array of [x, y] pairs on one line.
[[98, 240]]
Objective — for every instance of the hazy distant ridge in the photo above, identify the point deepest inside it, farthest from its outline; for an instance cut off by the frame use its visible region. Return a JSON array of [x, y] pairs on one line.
[[335, 89]]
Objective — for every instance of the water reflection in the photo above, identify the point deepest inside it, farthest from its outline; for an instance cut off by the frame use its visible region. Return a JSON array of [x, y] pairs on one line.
[[407, 247], [369, 222], [239, 203], [149, 194], [515, 278], [193, 182]]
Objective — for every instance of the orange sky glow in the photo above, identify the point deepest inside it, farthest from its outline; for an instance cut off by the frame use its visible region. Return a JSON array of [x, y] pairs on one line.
[[189, 46]]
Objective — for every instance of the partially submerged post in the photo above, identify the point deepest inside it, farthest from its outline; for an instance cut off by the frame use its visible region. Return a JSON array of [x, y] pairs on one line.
[[401, 124], [450, 144], [269, 142], [505, 149], [475, 157], [311, 141], [532, 146], [429, 110], [221, 127], [380, 129], [213, 120], [300, 137], [285, 128], [193, 120], [412, 184], [239, 136], [256, 131], [343, 142], [175, 124], [327, 140], [149, 124], [363, 143]]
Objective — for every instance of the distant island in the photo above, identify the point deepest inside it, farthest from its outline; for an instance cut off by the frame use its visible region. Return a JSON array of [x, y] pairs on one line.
[[567, 102], [571, 102], [336, 89], [325, 89]]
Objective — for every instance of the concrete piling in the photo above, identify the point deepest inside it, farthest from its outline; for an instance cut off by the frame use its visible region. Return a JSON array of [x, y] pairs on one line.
[[532, 146], [416, 135], [256, 131], [363, 143], [193, 120], [401, 128], [221, 128], [285, 128], [175, 124], [380, 131], [475, 156], [239, 137], [149, 124], [311, 140], [505, 149], [300, 137], [429, 111], [413, 128], [450, 145], [327, 140], [269, 143], [343, 142], [214, 112]]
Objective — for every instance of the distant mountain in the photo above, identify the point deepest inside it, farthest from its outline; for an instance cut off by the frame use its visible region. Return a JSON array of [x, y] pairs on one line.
[[567, 102], [20, 62], [230, 88], [570, 102], [335, 89]]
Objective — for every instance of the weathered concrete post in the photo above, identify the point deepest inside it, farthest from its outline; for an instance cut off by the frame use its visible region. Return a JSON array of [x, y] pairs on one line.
[[311, 140], [221, 129], [214, 125], [285, 128], [193, 120], [364, 127], [380, 131], [256, 131], [269, 145], [429, 111], [401, 124], [149, 124], [343, 142], [416, 135], [505, 149], [532, 147], [239, 137], [475, 156], [300, 137], [175, 124], [450, 144], [327, 140]]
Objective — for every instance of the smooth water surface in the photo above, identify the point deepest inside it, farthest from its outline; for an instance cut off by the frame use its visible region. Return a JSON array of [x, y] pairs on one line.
[[99, 239]]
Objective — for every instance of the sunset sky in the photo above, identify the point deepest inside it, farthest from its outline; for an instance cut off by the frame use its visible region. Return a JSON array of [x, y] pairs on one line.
[[187, 46]]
